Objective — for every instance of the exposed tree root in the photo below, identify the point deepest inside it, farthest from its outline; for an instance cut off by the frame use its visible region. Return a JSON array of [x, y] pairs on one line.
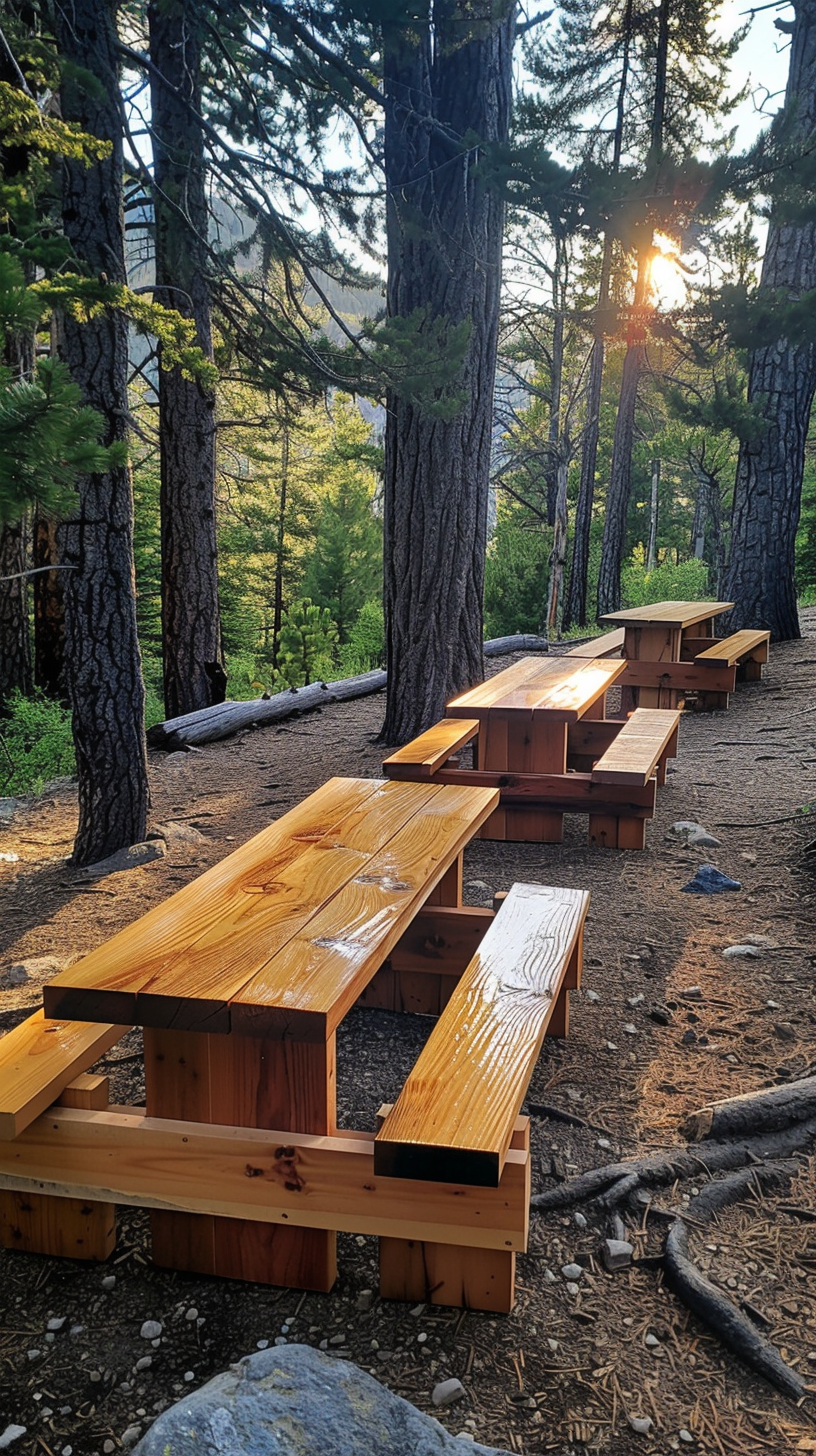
[[709, 1303], [766, 1111]]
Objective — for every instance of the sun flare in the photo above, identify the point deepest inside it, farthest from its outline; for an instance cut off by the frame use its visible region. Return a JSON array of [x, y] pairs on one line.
[[668, 286]]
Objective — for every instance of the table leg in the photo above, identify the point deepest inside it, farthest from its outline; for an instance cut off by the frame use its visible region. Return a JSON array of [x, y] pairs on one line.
[[242, 1082], [421, 992], [651, 644], [537, 746]]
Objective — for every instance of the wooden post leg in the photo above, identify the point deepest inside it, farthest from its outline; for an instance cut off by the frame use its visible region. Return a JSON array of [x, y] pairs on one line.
[[752, 671], [558, 1024], [448, 1274], [603, 830], [68, 1228], [242, 1082]]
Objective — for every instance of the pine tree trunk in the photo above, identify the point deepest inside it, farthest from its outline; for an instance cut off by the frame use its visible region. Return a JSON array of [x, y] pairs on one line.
[[193, 658], [575, 610], [49, 611], [768, 488], [620, 482], [444, 226], [15, 649], [102, 651]]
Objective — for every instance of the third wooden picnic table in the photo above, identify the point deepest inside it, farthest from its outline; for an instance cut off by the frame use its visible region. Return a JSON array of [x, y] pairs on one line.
[[664, 638]]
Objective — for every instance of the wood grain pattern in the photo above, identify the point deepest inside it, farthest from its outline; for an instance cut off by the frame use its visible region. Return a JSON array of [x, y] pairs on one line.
[[39, 1058], [231, 891], [679, 676], [306, 992], [455, 1115], [562, 688], [674, 614], [633, 756], [729, 650], [608, 645], [269, 1177], [574, 793], [425, 754]]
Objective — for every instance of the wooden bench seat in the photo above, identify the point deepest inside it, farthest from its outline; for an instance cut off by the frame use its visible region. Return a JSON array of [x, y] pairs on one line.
[[43, 1062], [745, 652], [420, 758], [645, 742], [454, 1119], [608, 645]]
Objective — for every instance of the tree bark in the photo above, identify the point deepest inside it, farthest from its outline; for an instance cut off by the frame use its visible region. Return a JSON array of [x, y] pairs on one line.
[[193, 658], [15, 649], [49, 611], [102, 650], [620, 475], [444, 230], [575, 610], [782, 376]]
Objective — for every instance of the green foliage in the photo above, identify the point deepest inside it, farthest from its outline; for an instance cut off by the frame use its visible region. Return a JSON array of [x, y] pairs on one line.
[[344, 569], [308, 638], [516, 574], [37, 738], [671, 581], [365, 648]]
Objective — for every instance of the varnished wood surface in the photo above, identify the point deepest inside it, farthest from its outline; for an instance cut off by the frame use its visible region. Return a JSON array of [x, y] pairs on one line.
[[315, 896], [729, 651], [455, 1116], [636, 751], [673, 614], [39, 1058], [562, 689], [432, 748], [274, 1177], [609, 645]]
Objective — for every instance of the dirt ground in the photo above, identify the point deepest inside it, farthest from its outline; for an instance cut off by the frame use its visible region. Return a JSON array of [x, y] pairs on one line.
[[562, 1373]]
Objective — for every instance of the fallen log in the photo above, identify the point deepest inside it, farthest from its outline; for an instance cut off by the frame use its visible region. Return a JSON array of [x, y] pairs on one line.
[[753, 1112], [221, 720], [703, 1298]]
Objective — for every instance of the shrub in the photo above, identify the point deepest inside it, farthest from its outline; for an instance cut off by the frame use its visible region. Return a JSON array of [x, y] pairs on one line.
[[38, 743], [365, 648], [684, 581]]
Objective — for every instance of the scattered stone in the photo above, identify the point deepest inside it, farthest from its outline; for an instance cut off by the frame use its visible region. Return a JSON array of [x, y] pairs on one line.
[[553, 1344], [337, 1340], [364, 1300], [108, 1447], [264, 1344], [11, 1433], [618, 1227], [605, 1144], [641, 1424], [476, 885], [611, 1046], [573, 1288], [630, 1029], [175, 832], [572, 1271], [36, 968], [592, 996], [693, 833], [189, 1375], [109, 1281], [130, 1436], [144, 1363], [652, 1342], [124, 859], [701, 839], [731, 951], [579, 1220], [549, 1277], [447, 1392], [635, 1000], [616, 1254], [56, 1323], [151, 1330], [685, 1435], [191, 1314], [710, 881], [34, 1354], [418, 1309]]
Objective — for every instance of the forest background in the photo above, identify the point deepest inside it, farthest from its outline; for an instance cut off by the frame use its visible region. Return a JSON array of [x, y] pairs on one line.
[[206, 199]]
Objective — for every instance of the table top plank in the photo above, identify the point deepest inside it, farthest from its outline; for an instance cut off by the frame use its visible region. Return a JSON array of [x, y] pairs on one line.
[[306, 991], [39, 1058], [670, 614], [111, 977], [561, 687]]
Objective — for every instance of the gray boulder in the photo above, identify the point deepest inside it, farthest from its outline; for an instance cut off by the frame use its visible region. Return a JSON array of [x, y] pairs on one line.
[[295, 1401]]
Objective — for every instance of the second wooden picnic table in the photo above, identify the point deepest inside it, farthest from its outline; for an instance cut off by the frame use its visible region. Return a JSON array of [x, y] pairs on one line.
[[524, 715], [663, 639]]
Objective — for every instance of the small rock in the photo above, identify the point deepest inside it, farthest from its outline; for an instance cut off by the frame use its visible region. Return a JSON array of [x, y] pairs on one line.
[[447, 1391], [579, 1220], [652, 1342], [616, 1254], [641, 1424], [34, 1354], [108, 1447], [684, 827], [710, 881], [773, 1005], [364, 1300], [9, 857], [592, 996], [17, 975], [11, 1433], [604, 1143], [553, 1344], [701, 839], [189, 1375], [685, 1435], [418, 1309], [56, 1323], [732, 951], [144, 1363], [151, 1330], [191, 1314], [8, 808], [572, 1287], [549, 1277], [337, 1340], [748, 856], [262, 1344], [635, 1000], [572, 1271], [611, 1046], [476, 885], [174, 832], [130, 1436], [125, 859], [630, 1029], [109, 1281]]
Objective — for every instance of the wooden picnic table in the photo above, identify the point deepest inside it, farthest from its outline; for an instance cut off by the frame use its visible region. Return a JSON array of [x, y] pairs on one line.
[[524, 715], [663, 638], [241, 979]]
